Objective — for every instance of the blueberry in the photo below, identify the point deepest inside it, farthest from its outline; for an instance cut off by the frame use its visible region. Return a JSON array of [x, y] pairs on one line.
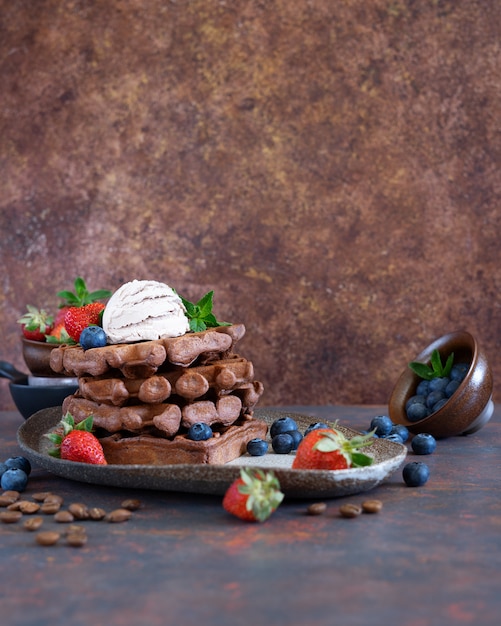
[[14, 479], [417, 412], [418, 399], [459, 371], [422, 388], [282, 425], [401, 431], [451, 388], [282, 443], [439, 405], [92, 337], [438, 384], [382, 424], [395, 437], [199, 432], [415, 474], [423, 443], [433, 397], [315, 426], [257, 447], [296, 437], [18, 462]]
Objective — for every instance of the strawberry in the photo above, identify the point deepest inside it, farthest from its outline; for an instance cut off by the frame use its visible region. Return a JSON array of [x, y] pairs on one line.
[[253, 496], [76, 442], [329, 449], [59, 335], [81, 308], [36, 323], [78, 318]]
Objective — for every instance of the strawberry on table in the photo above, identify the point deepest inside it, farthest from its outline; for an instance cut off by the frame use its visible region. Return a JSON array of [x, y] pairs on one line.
[[35, 323], [329, 449], [76, 442], [254, 496]]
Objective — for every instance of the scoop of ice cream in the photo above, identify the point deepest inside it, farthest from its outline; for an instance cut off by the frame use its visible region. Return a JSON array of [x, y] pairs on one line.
[[144, 310]]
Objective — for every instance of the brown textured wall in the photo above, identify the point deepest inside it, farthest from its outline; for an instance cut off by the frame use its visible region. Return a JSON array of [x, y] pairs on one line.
[[330, 169]]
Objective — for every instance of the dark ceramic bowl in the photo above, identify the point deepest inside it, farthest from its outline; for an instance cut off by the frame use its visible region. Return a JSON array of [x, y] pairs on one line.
[[468, 409], [29, 399]]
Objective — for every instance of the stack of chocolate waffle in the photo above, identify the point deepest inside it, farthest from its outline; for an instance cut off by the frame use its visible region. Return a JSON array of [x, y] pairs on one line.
[[144, 397]]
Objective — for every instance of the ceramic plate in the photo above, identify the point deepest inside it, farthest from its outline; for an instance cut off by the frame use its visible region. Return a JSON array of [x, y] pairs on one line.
[[215, 479]]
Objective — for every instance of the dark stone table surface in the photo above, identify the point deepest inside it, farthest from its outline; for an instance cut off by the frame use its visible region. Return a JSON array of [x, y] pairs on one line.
[[431, 556]]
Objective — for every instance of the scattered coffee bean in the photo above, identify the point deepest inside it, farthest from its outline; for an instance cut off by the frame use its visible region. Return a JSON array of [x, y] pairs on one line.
[[63, 517], [41, 495], [118, 515], [53, 499], [350, 510], [33, 523], [49, 508], [78, 510], [6, 501], [76, 540], [73, 529], [47, 538], [11, 494], [317, 508], [372, 506], [26, 506], [96, 514], [131, 504], [10, 517]]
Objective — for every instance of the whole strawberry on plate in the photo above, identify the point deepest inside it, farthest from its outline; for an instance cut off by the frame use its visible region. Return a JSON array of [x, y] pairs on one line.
[[36, 323], [254, 496], [329, 449], [83, 308], [76, 442]]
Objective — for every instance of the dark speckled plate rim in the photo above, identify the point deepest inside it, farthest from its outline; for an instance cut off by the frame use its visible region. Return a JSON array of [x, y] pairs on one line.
[[212, 479]]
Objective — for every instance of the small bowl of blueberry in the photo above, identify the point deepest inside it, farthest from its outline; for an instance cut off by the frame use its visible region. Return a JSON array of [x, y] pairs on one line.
[[446, 390]]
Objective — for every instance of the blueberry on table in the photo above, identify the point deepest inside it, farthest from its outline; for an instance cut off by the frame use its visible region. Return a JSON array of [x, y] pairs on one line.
[[400, 430], [92, 337], [382, 424], [199, 432], [315, 426], [282, 443], [18, 462], [14, 479], [415, 474], [423, 443], [257, 447], [282, 425]]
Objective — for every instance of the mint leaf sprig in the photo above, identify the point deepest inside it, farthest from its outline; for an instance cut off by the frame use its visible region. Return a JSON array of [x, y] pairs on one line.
[[200, 313], [436, 369]]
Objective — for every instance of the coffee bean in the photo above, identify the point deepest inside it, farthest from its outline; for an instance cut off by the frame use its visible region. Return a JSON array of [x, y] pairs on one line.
[[11, 494], [47, 538], [52, 498], [73, 529], [350, 510], [25, 506], [372, 506], [33, 523], [63, 517], [131, 504], [118, 515], [49, 508], [78, 510], [10, 517], [6, 501], [76, 540], [41, 495], [317, 508], [96, 514]]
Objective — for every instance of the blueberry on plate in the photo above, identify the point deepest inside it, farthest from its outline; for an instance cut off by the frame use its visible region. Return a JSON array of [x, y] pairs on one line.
[[382, 424], [199, 432], [14, 479], [282, 443], [257, 447], [315, 426], [92, 337], [18, 462], [415, 474], [423, 443], [296, 437], [282, 425]]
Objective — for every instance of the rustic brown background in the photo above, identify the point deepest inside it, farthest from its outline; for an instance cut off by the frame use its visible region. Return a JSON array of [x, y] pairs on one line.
[[330, 169]]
